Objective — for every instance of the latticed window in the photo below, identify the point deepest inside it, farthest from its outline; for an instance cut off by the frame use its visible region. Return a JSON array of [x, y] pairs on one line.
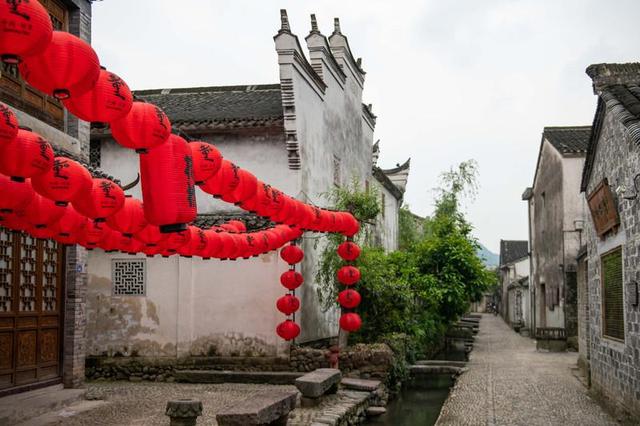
[[129, 277], [95, 152], [612, 298], [15, 92]]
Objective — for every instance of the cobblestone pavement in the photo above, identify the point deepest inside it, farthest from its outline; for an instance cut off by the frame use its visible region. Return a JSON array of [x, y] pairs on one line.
[[144, 403], [509, 383]]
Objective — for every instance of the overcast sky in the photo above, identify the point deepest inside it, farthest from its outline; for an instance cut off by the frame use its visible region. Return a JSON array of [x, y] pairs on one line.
[[448, 80]]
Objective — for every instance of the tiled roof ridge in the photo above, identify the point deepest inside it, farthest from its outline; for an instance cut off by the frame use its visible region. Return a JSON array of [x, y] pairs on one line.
[[209, 89]]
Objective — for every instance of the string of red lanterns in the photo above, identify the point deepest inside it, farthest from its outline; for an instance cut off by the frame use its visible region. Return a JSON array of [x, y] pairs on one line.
[[56, 197], [349, 275]]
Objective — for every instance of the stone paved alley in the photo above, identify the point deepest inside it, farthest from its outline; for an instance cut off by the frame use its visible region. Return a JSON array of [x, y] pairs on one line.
[[510, 383]]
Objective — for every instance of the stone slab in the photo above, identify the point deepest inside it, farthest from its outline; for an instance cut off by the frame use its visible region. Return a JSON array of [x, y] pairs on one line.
[[360, 384], [259, 409], [441, 362], [318, 382], [435, 369], [27, 405], [215, 376], [375, 411]]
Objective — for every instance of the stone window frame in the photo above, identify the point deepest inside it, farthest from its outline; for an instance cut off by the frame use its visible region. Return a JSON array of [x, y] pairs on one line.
[[620, 249], [114, 287]]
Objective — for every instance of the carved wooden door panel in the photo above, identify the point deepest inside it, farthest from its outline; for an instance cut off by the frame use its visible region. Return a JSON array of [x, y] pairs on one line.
[[31, 285]]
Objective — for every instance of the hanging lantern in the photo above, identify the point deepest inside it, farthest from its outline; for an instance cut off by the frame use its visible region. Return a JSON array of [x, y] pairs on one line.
[[227, 246], [28, 155], [292, 254], [166, 172], [150, 236], [104, 200], [238, 225], [69, 222], [349, 251], [43, 232], [8, 123], [350, 322], [144, 127], [206, 161], [25, 30], [348, 275], [130, 218], [351, 225], [66, 68], [94, 232], [349, 298], [247, 187], [287, 212], [198, 243], [42, 211], [288, 330], [111, 240], [288, 304], [175, 240], [64, 182], [75, 236], [14, 195], [213, 244], [109, 100], [291, 279]]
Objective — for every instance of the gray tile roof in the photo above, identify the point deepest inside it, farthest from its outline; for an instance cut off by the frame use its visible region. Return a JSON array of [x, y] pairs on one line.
[[219, 106], [252, 222], [570, 139], [510, 251]]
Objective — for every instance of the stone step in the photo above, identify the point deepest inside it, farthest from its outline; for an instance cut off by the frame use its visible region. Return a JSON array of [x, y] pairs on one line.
[[441, 362], [24, 406], [216, 376], [360, 384], [375, 411], [417, 370], [318, 382]]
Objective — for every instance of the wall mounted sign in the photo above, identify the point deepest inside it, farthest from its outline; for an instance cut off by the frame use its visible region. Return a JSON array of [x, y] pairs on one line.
[[604, 210]]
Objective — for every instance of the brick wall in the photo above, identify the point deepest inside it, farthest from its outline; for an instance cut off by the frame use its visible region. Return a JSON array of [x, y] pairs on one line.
[[615, 365], [75, 320]]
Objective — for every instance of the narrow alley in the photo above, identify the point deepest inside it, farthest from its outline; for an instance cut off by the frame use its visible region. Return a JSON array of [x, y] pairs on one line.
[[508, 382]]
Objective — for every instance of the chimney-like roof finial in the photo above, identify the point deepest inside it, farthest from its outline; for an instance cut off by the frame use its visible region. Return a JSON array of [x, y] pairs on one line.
[[359, 62], [314, 24], [284, 21], [336, 26]]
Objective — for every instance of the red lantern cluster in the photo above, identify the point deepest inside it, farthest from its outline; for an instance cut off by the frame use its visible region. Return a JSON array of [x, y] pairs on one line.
[[8, 124], [25, 30], [289, 303], [349, 275]]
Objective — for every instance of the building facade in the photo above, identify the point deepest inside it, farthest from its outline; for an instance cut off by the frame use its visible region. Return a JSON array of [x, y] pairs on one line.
[[514, 283], [611, 262], [305, 135], [43, 284], [556, 220]]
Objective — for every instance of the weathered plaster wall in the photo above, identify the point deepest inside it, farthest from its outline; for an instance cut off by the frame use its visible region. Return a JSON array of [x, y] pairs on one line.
[[387, 227], [615, 365], [548, 222]]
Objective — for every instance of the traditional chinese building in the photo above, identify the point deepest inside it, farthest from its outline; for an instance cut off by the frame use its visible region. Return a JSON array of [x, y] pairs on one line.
[[43, 284], [305, 134], [609, 265], [514, 283], [556, 221]]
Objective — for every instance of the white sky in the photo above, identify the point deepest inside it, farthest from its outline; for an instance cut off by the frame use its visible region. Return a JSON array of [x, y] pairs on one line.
[[449, 80]]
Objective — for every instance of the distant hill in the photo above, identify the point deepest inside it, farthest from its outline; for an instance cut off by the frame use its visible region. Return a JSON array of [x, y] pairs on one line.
[[490, 259]]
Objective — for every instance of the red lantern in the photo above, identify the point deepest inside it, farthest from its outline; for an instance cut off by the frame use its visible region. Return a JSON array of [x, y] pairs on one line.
[[292, 254], [64, 182], [66, 68], [150, 236], [349, 251], [350, 322], [94, 233], [288, 330], [213, 244], [175, 240], [130, 218], [14, 195], [75, 236], [169, 196], [287, 212], [291, 279], [28, 155], [15, 220], [246, 188], [198, 243], [25, 30], [206, 161], [348, 275], [69, 222], [349, 298], [227, 246], [8, 123], [288, 304], [351, 225], [109, 100], [43, 232], [104, 200], [42, 211], [145, 126], [238, 225], [111, 240]]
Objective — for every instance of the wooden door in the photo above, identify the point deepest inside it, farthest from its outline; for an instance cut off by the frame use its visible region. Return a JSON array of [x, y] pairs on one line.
[[31, 289]]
